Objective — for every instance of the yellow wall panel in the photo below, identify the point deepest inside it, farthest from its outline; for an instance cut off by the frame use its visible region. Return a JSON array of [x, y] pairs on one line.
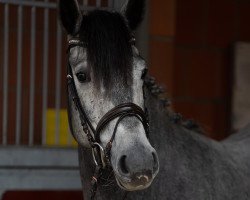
[[64, 137]]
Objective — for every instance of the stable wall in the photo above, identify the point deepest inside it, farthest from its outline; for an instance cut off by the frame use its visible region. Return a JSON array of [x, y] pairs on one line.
[[191, 52]]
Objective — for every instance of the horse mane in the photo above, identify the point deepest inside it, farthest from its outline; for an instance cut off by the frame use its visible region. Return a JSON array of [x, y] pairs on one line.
[[107, 38], [158, 92]]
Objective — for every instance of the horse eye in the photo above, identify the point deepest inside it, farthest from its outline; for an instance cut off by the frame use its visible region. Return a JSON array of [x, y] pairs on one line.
[[82, 77]]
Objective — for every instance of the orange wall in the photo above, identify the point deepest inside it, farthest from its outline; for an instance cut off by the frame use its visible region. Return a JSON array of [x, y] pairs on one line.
[[161, 44], [190, 52], [12, 77]]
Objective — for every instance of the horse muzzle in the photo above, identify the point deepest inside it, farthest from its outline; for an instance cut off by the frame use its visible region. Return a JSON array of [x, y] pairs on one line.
[[136, 170], [139, 181]]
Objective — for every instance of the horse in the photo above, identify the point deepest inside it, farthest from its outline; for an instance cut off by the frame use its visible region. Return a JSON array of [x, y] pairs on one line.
[[131, 145]]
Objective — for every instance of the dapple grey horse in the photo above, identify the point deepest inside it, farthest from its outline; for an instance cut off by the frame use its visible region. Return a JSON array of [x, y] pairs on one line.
[[172, 162]]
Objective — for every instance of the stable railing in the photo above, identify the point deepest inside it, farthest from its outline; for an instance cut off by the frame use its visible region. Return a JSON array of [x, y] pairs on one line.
[[36, 148], [38, 115]]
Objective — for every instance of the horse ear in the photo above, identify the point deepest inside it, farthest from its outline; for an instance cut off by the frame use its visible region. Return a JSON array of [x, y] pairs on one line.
[[134, 12], [70, 15]]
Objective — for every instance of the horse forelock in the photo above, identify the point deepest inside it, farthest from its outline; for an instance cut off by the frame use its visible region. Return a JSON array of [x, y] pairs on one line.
[[109, 52]]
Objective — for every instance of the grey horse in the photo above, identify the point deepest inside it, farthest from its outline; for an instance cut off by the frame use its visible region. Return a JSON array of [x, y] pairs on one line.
[[174, 161]]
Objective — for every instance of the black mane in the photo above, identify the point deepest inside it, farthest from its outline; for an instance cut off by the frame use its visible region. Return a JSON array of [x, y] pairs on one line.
[[107, 38]]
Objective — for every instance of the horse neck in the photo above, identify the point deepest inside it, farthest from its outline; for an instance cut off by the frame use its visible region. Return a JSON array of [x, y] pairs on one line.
[[170, 136], [186, 157]]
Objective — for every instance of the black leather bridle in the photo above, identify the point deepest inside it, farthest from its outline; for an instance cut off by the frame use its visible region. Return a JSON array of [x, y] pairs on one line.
[[101, 155]]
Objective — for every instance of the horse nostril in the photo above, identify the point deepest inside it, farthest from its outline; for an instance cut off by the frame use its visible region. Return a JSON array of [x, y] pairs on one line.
[[156, 163], [123, 166]]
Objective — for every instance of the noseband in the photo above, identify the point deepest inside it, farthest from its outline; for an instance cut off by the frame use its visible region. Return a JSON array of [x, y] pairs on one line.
[[101, 155]]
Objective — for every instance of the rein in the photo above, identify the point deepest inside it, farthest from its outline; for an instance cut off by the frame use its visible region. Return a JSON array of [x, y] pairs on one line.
[[101, 155]]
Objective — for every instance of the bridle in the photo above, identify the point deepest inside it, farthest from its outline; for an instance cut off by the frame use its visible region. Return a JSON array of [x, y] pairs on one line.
[[101, 155]]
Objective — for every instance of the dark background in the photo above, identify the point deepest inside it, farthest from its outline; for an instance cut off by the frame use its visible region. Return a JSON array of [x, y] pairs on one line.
[[191, 45]]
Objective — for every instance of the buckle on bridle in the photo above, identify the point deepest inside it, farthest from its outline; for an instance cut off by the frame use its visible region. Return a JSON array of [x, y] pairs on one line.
[[98, 155]]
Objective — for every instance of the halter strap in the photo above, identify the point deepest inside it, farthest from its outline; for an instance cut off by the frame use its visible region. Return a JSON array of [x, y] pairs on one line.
[[83, 116]]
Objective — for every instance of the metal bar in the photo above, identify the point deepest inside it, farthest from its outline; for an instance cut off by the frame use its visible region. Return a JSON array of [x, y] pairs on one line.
[[58, 82], [19, 75], [45, 74], [5, 73], [32, 75], [98, 3], [39, 4]]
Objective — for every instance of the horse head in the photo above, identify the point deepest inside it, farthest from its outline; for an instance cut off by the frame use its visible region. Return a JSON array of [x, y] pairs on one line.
[[106, 80]]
